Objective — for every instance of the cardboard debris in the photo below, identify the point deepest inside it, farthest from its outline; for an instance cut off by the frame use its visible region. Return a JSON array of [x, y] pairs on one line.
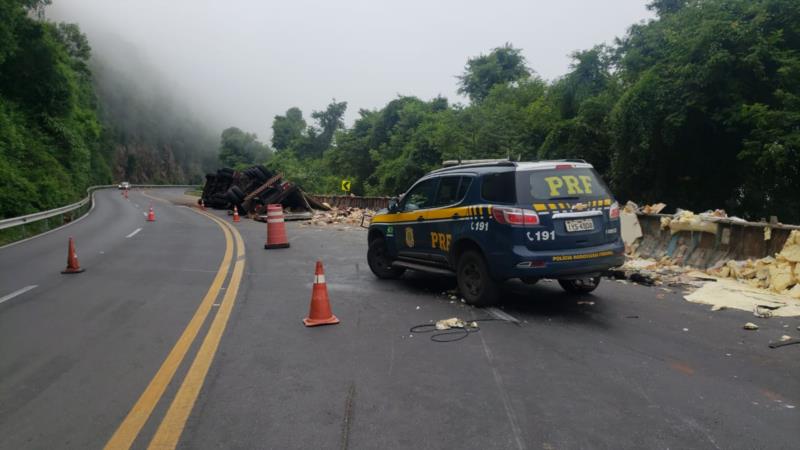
[[750, 326], [453, 322], [791, 249], [727, 293], [343, 216], [684, 220], [630, 228], [777, 274], [654, 208]]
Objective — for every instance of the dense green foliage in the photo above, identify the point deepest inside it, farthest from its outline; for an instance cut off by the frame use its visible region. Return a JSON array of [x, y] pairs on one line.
[[239, 149], [49, 131], [68, 121], [698, 108]]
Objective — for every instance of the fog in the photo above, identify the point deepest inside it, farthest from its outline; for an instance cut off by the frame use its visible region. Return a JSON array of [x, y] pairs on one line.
[[239, 63]]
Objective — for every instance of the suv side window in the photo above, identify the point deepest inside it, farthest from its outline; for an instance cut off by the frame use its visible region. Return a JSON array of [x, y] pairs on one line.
[[499, 187], [463, 187], [421, 196], [448, 191]]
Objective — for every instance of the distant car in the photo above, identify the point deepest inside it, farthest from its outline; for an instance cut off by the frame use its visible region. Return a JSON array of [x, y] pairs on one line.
[[493, 221], [124, 185]]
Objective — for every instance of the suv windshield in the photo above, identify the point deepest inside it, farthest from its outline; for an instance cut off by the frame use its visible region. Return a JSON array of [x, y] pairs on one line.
[[560, 184]]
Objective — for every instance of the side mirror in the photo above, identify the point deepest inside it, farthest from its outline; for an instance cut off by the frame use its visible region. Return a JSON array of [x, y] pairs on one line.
[[393, 205]]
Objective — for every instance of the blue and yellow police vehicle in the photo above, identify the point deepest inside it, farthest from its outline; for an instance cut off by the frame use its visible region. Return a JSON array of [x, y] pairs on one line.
[[493, 221]]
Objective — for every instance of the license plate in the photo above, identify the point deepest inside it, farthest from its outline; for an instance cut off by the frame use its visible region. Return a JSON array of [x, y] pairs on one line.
[[579, 225]]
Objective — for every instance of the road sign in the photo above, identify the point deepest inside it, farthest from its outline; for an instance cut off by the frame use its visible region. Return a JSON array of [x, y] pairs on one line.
[[346, 185]]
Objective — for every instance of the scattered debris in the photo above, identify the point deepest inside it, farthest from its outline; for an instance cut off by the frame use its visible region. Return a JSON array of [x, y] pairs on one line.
[[727, 293], [640, 278], [630, 229], [343, 216], [750, 326], [650, 272], [684, 220], [654, 208], [780, 274], [585, 302], [453, 322], [785, 338], [783, 343]]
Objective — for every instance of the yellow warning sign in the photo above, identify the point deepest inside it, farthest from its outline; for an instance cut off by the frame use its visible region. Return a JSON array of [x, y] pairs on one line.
[[346, 185]]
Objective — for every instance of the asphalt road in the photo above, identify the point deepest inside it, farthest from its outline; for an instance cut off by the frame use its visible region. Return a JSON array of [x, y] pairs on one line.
[[145, 348]]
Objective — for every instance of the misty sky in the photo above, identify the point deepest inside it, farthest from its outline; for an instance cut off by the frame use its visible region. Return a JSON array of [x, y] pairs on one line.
[[239, 63]]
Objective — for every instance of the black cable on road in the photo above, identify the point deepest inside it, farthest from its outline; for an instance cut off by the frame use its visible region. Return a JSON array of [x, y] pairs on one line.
[[452, 334]]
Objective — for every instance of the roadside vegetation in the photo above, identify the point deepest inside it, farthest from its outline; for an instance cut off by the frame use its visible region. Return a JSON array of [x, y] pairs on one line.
[[698, 108], [64, 128]]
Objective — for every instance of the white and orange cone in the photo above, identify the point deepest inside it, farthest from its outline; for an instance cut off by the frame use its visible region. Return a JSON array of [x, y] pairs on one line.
[[320, 311]]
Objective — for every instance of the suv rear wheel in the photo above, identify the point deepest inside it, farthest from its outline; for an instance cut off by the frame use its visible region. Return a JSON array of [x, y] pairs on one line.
[[379, 262], [474, 281], [580, 286]]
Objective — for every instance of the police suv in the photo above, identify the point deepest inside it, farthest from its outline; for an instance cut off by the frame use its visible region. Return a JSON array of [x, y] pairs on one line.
[[492, 221]]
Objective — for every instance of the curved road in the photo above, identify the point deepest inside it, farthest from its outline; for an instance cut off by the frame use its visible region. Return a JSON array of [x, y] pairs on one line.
[[187, 333]]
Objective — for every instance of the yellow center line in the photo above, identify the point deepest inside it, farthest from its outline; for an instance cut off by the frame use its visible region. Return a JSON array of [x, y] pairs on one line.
[[169, 432], [158, 199], [130, 427]]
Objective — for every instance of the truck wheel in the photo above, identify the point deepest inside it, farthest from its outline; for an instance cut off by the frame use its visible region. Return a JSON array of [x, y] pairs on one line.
[[580, 286], [379, 261], [474, 281]]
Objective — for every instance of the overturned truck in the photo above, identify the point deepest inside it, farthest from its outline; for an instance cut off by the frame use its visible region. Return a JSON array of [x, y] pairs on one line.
[[252, 189]]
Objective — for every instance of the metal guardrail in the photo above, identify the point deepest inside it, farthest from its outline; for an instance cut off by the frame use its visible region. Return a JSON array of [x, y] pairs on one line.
[[35, 217]]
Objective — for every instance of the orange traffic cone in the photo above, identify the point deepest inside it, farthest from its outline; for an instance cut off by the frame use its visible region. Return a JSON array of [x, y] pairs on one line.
[[236, 214], [72, 259], [320, 311], [276, 229], [151, 216]]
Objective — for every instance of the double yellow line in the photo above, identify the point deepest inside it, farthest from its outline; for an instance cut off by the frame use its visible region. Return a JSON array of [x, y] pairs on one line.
[[171, 427]]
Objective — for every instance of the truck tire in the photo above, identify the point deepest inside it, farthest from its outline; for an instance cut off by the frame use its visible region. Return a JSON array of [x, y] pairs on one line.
[[238, 192], [474, 281]]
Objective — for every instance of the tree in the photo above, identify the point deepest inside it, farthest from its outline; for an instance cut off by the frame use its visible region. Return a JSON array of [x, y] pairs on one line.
[[286, 130], [329, 121], [238, 148], [502, 65]]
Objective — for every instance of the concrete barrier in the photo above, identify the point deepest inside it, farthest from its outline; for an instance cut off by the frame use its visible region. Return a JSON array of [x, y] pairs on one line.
[[733, 240]]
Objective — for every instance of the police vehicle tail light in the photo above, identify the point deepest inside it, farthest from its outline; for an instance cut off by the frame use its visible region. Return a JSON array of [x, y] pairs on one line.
[[613, 212], [515, 216]]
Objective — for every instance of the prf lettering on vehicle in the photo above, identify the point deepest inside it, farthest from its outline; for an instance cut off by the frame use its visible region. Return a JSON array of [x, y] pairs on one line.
[[441, 240], [582, 184]]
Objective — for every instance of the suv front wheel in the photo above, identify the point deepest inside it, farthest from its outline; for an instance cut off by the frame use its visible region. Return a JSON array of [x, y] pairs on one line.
[[474, 281], [379, 261]]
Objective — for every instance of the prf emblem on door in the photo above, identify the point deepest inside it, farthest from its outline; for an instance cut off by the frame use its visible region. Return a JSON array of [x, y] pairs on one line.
[[409, 237]]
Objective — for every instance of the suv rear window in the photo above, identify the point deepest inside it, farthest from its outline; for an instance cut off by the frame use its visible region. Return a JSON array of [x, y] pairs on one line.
[[560, 184], [498, 187]]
